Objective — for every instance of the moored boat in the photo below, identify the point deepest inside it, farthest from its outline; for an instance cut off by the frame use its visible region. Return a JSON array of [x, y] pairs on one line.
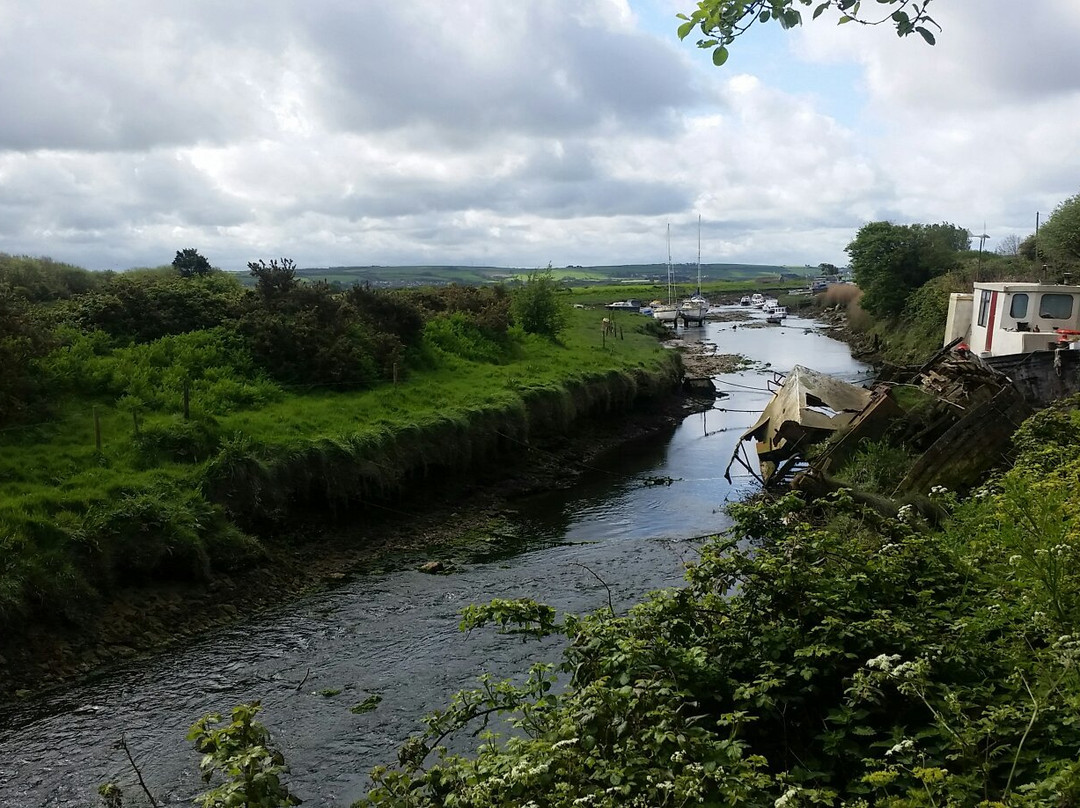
[[667, 312], [695, 307], [777, 315]]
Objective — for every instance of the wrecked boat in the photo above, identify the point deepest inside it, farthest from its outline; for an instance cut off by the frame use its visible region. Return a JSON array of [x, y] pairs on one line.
[[807, 408], [959, 420]]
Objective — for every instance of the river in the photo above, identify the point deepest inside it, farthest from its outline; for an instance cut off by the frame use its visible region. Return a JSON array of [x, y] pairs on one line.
[[395, 634]]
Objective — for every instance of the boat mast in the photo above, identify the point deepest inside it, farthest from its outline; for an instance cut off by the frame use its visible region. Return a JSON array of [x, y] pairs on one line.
[[670, 271], [699, 255]]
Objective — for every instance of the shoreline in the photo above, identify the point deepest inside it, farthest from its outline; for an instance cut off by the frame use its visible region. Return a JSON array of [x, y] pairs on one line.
[[151, 620]]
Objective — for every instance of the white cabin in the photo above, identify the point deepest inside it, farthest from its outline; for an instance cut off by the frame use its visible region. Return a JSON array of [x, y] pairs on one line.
[[998, 319]]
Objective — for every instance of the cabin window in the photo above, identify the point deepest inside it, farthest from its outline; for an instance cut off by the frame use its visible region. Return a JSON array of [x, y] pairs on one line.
[[1056, 307], [1018, 307], [984, 307]]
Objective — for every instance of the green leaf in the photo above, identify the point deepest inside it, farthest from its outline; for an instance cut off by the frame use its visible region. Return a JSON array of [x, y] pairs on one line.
[[844, 19], [719, 56], [685, 29], [820, 9], [764, 15], [926, 35]]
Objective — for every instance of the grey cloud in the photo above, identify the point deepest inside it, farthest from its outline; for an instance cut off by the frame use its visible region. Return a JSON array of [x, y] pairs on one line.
[[533, 68]]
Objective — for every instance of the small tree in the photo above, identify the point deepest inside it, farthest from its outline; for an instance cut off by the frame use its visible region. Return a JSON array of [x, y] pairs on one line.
[[1059, 238], [190, 264], [536, 306], [891, 261], [276, 279], [1009, 245]]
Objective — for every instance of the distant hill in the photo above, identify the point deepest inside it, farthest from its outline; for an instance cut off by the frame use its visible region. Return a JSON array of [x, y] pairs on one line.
[[404, 276]]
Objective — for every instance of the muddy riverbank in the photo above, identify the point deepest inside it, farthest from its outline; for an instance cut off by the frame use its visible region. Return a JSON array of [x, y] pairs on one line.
[[309, 555]]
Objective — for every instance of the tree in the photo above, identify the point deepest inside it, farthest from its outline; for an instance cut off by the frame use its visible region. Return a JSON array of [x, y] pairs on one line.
[[891, 261], [536, 306], [275, 279], [1010, 245], [722, 21], [1059, 238], [190, 264]]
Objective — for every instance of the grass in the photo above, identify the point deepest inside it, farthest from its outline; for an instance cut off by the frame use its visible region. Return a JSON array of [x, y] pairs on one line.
[[171, 499], [602, 295]]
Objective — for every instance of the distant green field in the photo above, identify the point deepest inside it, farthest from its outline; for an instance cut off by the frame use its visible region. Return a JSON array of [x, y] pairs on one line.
[[403, 276]]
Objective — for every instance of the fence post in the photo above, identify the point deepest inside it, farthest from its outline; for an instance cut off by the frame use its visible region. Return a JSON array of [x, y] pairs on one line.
[[187, 400]]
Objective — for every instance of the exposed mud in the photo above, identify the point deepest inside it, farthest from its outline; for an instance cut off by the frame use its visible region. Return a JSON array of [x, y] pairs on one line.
[[310, 555]]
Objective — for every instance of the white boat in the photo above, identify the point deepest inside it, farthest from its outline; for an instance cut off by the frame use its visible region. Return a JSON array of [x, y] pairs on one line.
[[777, 315], [695, 307], [625, 305], [770, 305], [667, 312], [1011, 318], [745, 300], [756, 300]]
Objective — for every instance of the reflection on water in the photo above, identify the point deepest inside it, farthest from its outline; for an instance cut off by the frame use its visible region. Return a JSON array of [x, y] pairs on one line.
[[395, 634]]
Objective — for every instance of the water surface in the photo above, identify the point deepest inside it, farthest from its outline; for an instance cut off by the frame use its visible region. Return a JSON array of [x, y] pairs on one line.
[[396, 634]]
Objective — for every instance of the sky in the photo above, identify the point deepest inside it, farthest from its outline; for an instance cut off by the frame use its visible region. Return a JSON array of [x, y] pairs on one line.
[[518, 134]]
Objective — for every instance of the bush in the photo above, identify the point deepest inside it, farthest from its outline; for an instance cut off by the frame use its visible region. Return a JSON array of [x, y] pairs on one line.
[[177, 441], [459, 335], [536, 306], [214, 365], [143, 307], [23, 340]]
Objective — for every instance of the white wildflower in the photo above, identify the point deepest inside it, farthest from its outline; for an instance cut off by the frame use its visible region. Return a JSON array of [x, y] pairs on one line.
[[883, 662], [787, 799], [905, 745]]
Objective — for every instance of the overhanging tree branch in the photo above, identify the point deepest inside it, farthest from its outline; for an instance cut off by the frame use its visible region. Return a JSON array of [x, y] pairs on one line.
[[721, 22]]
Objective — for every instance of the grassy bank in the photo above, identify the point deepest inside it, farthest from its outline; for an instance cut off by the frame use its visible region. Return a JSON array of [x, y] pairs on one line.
[[112, 487]]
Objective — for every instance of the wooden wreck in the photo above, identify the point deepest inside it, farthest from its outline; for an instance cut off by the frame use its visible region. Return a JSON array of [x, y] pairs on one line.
[[961, 426]]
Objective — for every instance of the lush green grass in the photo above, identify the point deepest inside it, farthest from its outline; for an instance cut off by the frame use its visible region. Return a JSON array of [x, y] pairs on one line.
[[162, 496], [602, 295]]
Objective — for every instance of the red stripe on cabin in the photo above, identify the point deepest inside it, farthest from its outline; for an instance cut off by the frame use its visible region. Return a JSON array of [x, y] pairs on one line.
[[990, 322]]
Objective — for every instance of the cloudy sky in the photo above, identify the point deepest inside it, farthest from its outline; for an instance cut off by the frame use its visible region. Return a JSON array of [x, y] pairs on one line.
[[516, 133]]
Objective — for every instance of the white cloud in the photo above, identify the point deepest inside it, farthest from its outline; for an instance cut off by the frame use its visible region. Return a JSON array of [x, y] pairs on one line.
[[490, 132]]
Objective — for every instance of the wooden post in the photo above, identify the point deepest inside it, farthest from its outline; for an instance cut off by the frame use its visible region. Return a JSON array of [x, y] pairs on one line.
[[187, 400], [395, 373], [97, 430]]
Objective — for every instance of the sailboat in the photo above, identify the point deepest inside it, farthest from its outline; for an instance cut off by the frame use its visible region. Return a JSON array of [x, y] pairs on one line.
[[667, 312], [695, 307]]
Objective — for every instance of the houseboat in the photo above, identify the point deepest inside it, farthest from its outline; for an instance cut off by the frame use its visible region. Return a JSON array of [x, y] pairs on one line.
[[1003, 319]]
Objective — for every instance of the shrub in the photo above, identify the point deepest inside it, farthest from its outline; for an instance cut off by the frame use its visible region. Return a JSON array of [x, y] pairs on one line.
[[459, 335], [536, 306]]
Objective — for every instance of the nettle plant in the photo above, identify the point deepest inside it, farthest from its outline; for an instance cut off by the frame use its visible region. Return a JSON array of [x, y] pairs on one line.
[[825, 655], [239, 751], [818, 654]]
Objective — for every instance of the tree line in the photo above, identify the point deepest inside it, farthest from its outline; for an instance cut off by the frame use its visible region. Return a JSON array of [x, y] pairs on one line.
[[286, 330]]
